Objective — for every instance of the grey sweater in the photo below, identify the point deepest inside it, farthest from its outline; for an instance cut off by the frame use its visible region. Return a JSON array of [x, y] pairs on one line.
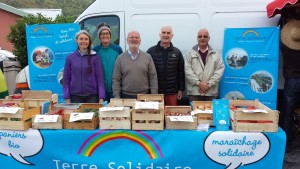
[[133, 77]]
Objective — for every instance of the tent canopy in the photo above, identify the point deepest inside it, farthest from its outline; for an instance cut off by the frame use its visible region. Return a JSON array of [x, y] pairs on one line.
[[276, 6]]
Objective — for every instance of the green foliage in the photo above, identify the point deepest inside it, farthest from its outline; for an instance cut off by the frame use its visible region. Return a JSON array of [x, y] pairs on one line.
[[71, 8], [17, 35], [63, 19]]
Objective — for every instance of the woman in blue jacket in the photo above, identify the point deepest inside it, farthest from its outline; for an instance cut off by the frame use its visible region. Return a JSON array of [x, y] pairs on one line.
[[108, 53], [83, 79]]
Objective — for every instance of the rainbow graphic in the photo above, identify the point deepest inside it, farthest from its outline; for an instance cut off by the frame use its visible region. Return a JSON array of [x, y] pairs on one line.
[[103, 136], [40, 28], [250, 31]]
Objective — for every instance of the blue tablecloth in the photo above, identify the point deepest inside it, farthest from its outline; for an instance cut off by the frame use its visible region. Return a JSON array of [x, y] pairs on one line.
[[130, 149]]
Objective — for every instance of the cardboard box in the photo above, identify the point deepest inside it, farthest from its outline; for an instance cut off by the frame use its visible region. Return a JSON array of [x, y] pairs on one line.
[[253, 122]]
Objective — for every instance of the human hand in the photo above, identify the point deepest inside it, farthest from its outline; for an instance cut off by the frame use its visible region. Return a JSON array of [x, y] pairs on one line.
[[68, 101], [100, 101], [179, 94], [203, 87]]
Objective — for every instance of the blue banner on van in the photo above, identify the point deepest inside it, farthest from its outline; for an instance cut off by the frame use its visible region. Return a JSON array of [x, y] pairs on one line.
[[47, 48], [251, 57]]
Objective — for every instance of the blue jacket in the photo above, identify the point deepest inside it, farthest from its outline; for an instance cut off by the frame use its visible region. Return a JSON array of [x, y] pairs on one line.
[[77, 80], [108, 57], [113, 46]]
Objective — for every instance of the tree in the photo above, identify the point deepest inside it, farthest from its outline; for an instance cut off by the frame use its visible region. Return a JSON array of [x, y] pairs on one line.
[[17, 34], [69, 7]]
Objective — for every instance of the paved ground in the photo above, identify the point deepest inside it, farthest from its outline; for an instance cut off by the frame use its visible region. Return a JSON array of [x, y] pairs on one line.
[[292, 159]]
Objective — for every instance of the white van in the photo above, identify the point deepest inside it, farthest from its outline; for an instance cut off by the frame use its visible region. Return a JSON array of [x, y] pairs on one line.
[[185, 16]]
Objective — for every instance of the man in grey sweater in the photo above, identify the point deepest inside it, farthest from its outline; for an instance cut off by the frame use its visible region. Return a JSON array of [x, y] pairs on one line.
[[134, 71]]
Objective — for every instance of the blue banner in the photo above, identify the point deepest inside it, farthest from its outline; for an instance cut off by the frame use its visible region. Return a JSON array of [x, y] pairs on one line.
[[251, 58], [132, 149], [47, 47]]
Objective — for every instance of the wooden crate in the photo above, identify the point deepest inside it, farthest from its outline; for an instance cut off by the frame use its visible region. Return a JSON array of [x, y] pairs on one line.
[[65, 107], [35, 98], [148, 119], [116, 102], [31, 103], [202, 105], [179, 111], [48, 125], [253, 122], [32, 99], [16, 102], [37, 94], [82, 124], [117, 119], [22, 120], [151, 97], [204, 117]]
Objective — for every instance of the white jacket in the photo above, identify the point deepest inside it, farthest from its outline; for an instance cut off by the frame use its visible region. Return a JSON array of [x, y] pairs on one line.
[[195, 71]]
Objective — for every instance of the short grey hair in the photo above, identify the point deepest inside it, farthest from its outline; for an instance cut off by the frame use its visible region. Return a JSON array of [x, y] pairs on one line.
[[83, 32]]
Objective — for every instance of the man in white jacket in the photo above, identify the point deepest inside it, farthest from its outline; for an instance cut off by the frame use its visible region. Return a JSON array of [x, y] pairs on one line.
[[204, 68]]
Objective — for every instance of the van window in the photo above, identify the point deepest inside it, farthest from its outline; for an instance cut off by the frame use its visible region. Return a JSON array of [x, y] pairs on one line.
[[113, 21]]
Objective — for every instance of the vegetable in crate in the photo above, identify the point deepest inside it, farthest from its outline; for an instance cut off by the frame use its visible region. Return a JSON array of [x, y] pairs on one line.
[[17, 96], [169, 113], [86, 110]]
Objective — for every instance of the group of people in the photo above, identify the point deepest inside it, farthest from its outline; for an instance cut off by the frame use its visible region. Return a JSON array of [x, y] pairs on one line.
[[104, 72]]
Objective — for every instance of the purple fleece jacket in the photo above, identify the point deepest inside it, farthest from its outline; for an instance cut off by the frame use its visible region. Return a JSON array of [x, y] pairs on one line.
[[77, 80]]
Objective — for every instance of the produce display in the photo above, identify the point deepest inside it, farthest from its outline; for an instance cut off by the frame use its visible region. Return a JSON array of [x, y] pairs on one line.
[[87, 110], [17, 96], [263, 118], [203, 107], [115, 118], [10, 104], [233, 107], [178, 113]]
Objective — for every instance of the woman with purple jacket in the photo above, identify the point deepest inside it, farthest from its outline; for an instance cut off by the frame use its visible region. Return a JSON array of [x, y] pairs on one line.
[[83, 79]]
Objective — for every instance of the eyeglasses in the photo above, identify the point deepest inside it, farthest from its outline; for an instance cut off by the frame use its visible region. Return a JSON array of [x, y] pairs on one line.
[[104, 34], [203, 36]]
